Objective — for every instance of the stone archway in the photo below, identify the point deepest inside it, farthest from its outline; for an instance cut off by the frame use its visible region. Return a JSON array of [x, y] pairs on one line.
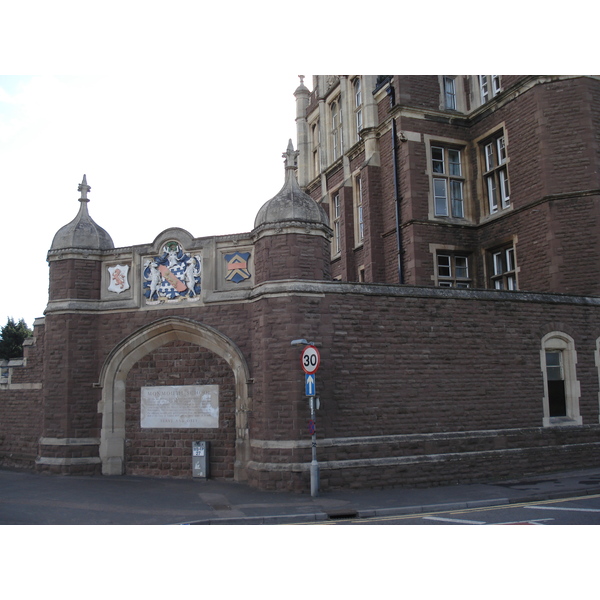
[[122, 358]]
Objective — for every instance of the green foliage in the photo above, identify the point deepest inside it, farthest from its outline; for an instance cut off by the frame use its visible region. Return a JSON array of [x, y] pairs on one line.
[[12, 336]]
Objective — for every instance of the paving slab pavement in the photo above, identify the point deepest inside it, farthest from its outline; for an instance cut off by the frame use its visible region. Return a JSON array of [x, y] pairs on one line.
[[32, 499]]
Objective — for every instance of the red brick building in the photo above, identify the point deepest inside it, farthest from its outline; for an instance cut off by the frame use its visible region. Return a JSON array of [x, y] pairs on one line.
[[436, 236]]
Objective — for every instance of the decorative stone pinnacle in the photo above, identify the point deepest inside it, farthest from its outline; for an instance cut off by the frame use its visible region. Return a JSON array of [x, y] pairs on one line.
[[290, 156], [84, 188], [301, 79]]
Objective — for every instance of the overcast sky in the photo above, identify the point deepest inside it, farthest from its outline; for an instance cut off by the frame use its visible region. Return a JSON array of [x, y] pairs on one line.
[[179, 113], [195, 152]]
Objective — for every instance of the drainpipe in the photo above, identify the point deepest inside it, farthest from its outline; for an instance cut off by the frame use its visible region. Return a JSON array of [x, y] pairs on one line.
[[398, 199]]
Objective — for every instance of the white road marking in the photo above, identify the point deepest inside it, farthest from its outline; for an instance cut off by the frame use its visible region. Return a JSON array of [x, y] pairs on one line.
[[565, 508], [529, 522], [462, 521]]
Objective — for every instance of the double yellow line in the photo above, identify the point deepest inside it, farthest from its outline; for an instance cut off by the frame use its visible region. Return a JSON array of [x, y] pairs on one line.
[[461, 511]]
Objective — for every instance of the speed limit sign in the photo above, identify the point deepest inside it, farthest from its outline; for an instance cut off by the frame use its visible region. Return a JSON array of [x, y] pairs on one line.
[[310, 360]]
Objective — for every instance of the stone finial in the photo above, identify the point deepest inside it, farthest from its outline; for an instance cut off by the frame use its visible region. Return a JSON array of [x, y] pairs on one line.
[[301, 79], [290, 156], [84, 188]]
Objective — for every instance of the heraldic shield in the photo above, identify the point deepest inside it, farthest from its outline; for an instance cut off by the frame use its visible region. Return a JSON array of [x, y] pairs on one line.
[[237, 266], [118, 278], [172, 277]]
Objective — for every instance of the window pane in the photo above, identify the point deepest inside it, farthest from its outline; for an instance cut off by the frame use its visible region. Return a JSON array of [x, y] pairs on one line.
[[361, 225], [444, 266], [483, 86], [510, 259], [450, 93], [492, 193], [457, 199], [437, 159], [504, 190], [489, 157], [454, 160], [440, 197], [553, 359], [501, 150], [462, 266], [357, 93], [495, 84], [498, 266]]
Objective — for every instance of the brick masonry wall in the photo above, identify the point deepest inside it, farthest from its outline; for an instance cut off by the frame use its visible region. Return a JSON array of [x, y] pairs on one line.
[[75, 278], [393, 364], [168, 452], [21, 408], [429, 366], [292, 256]]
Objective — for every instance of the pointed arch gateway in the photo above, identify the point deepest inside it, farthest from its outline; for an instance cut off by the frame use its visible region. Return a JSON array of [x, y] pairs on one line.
[[124, 356]]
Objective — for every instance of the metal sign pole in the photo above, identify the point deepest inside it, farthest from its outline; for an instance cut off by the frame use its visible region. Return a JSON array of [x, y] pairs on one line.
[[314, 465], [310, 360]]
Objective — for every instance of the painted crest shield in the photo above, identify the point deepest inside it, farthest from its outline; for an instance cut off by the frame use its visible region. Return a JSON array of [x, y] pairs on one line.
[[173, 276], [119, 278], [237, 266]]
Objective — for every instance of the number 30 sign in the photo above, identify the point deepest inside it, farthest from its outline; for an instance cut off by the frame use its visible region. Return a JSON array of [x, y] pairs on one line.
[[310, 360]]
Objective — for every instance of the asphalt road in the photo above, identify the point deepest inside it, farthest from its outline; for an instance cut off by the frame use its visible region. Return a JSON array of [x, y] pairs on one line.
[[576, 510]]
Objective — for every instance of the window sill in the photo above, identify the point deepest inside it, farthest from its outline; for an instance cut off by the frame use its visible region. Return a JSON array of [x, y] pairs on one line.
[[499, 213], [562, 421]]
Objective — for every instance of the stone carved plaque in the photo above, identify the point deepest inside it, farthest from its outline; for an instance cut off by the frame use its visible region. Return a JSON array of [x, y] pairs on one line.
[[180, 406]]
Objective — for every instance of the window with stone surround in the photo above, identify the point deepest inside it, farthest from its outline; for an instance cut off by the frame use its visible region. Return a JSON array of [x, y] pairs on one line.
[[452, 269], [337, 141], [494, 161], [502, 267], [358, 106], [449, 92], [489, 86], [561, 387], [336, 212], [359, 224], [453, 93], [448, 180], [315, 142]]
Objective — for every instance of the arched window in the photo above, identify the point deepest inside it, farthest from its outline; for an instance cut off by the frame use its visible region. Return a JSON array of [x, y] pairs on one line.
[[336, 129], [561, 387], [356, 86], [316, 141]]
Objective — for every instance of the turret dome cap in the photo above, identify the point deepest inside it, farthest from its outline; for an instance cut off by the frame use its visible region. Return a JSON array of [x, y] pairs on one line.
[[82, 232], [291, 204]]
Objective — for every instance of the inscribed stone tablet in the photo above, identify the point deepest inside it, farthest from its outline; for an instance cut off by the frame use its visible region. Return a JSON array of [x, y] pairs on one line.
[[180, 406]]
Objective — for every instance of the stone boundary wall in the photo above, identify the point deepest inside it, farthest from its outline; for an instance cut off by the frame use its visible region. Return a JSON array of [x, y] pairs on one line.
[[21, 403], [419, 386]]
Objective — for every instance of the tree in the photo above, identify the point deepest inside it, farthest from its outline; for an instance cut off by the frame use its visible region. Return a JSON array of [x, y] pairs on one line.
[[12, 336]]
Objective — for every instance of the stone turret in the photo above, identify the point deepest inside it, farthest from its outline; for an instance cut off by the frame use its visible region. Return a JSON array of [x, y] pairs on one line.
[[75, 260], [76, 253], [291, 233]]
